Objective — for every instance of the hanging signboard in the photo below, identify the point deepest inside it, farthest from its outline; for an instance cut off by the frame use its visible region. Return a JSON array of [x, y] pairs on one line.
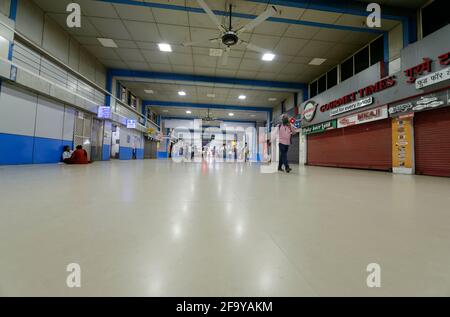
[[402, 145], [363, 117], [321, 127], [131, 123], [104, 112]]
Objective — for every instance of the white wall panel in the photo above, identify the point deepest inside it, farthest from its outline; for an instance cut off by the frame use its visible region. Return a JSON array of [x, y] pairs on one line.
[[74, 54], [55, 40], [87, 64], [4, 6], [30, 21], [69, 122], [17, 110], [395, 42], [49, 119]]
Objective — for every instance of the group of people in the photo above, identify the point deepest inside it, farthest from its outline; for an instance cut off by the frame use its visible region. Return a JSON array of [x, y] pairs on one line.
[[79, 156]]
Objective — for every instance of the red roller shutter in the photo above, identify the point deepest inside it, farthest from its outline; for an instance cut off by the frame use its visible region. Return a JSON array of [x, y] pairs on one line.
[[360, 146], [432, 142]]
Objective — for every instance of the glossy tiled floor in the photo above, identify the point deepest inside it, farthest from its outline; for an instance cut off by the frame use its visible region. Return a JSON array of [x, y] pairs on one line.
[[156, 228]]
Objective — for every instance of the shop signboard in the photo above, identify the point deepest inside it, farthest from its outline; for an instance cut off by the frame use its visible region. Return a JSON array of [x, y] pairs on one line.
[[321, 127], [427, 102], [352, 106], [363, 117], [402, 145], [433, 78]]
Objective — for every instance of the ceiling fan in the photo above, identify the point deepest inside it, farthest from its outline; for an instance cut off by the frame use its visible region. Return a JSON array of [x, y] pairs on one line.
[[230, 37], [208, 117]]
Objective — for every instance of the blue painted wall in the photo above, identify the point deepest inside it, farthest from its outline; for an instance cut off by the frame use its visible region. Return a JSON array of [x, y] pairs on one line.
[[106, 152], [140, 154], [161, 155], [125, 153]]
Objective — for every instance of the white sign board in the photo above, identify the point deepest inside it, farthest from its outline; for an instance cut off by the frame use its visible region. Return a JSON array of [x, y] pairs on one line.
[[433, 78], [104, 112], [363, 117], [352, 106], [131, 124]]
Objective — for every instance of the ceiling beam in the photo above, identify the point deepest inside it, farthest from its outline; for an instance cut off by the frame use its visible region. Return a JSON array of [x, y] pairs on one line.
[[205, 79], [149, 4], [158, 103]]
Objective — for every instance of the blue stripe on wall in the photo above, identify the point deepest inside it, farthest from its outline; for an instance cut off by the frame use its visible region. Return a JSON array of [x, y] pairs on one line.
[[106, 152], [16, 149], [13, 10], [125, 153], [140, 154], [47, 150], [161, 155]]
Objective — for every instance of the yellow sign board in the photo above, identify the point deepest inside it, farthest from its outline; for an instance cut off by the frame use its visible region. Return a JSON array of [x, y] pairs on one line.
[[402, 145]]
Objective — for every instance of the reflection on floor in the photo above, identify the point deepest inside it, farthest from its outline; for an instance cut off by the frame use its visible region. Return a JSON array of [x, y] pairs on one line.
[[156, 228]]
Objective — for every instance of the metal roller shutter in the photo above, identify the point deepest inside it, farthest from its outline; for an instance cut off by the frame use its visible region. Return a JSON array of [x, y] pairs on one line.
[[432, 142], [365, 146]]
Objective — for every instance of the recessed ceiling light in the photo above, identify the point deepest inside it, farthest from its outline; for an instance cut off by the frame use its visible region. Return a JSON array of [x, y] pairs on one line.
[[164, 47], [317, 61], [165, 110], [149, 91], [188, 111], [272, 99], [182, 93], [107, 42], [242, 97], [211, 95], [253, 115], [216, 52], [268, 57], [231, 114]]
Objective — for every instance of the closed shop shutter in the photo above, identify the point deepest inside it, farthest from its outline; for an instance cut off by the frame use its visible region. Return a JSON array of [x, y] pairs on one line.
[[432, 142], [365, 146]]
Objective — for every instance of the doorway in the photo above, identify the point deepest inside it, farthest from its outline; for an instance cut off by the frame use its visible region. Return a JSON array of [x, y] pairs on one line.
[[115, 141], [97, 140]]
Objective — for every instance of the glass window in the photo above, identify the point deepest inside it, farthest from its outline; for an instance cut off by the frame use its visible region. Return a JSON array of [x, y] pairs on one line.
[[347, 69], [362, 60], [332, 77], [377, 51], [322, 85], [313, 89], [435, 16]]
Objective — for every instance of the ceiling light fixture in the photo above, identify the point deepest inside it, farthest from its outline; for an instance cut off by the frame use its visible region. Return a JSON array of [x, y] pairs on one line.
[[242, 97], [164, 47], [182, 93], [211, 95], [231, 114], [268, 57], [188, 111], [317, 61], [272, 99], [253, 115], [149, 91], [107, 42]]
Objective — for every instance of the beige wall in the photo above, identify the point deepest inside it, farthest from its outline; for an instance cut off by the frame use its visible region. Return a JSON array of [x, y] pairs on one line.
[[45, 32]]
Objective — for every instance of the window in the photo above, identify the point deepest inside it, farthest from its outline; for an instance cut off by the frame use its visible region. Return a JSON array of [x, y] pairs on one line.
[[434, 16], [332, 78], [322, 84], [313, 89], [362, 60], [347, 69], [376, 51]]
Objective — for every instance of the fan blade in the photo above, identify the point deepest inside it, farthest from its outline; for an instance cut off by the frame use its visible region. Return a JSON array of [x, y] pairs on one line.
[[211, 15], [257, 21], [254, 47], [202, 42], [225, 56]]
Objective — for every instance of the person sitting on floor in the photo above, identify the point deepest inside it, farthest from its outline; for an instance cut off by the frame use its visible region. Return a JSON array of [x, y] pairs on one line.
[[67, 153], [79, 156]]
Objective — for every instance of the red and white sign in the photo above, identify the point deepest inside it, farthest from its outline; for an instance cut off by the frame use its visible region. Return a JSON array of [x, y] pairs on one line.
[[363, 117]]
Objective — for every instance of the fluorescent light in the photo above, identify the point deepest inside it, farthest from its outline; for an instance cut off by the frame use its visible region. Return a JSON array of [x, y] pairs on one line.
[[317, 61], [107, 42], [211, 95], [149, 91], [268, 57], [242, 97], [182, 93], [164, 47], [272, 99], [165, 110], [253, 115], [231, 114], [188, 111]]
